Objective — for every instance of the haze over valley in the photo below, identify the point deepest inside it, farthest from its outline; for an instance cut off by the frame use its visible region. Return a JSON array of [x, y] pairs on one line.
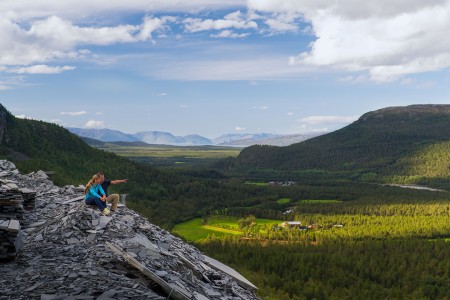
[[166, 138]]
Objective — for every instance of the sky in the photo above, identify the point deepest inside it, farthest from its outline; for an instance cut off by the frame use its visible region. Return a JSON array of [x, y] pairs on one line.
[[212, 67]]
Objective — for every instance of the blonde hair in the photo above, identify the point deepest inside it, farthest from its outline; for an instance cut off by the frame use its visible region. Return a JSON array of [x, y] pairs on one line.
[[91, 182]]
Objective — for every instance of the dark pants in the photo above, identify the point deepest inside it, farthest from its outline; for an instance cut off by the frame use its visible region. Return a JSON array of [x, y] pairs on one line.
[[95, 201]]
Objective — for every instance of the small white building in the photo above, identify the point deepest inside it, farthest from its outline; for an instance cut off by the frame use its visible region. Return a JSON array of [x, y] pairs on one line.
[[291, 224]]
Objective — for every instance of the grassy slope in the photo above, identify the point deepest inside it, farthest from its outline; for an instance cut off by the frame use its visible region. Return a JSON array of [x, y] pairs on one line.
[[194, 230]]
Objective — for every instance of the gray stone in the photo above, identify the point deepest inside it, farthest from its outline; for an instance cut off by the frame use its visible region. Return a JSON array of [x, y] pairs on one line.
[[90, 237], [39, 238], [198, 296], [48, 297], [211, 293], [142, 253], [104, 220], [41, 175], [68, 234], [107, 295], [73, 241], [162, 274], [14, 226]]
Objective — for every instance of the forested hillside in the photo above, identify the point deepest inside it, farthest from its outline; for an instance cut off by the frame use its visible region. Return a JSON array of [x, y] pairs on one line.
[[35, 145], [397, 141]]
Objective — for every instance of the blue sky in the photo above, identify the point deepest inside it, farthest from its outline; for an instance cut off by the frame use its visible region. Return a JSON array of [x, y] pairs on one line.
[[215, 67]]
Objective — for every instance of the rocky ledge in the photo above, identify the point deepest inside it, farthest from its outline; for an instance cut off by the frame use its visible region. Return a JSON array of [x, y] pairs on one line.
[[66, 250]]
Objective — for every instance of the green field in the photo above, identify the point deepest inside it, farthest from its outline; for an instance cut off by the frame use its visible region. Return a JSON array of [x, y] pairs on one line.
[[257, 183], [313, 201], [283, 200], [194, 230], [164, 155]]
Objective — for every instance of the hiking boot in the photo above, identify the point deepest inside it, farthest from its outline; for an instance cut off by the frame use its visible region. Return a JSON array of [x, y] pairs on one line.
[[105, 211]]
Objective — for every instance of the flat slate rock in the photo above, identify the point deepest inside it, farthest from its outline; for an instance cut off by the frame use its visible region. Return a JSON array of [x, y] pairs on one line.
[[62, 252]]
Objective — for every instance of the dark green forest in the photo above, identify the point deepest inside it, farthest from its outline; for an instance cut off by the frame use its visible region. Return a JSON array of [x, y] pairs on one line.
[[337, 269]]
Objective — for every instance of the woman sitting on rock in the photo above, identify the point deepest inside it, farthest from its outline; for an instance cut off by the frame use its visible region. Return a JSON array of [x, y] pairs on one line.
[[95, 194]]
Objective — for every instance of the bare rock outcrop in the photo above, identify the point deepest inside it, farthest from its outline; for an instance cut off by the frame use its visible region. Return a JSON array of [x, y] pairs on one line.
[[70, 251]]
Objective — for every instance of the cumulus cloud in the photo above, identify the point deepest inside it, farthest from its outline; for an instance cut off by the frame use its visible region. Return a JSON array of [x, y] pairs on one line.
[[235, 20], [386, 39], [54, 37], [152, 24], [284, 22], [237, 128], [73, 113], [41, 69], [95, 124], [316, 120]]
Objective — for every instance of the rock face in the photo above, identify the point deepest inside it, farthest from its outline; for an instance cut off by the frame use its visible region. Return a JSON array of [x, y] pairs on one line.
[[70, 251]]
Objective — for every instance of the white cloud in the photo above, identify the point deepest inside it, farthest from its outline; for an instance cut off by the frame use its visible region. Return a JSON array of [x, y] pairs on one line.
[[290, 113], [99, 113], [54, 37], [161, 94], [184, 106], [23, 117], [235, 20], [41, 69], [230, 34], [386, 39], [95, 124], [73, 113], [283, 22], [354, 79], [316, 120], [264, 107], [237, 128], [152, 24], [85, 9]]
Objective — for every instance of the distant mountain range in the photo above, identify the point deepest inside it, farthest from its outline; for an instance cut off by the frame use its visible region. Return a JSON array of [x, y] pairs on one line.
[[166, 138], [104, 135]]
